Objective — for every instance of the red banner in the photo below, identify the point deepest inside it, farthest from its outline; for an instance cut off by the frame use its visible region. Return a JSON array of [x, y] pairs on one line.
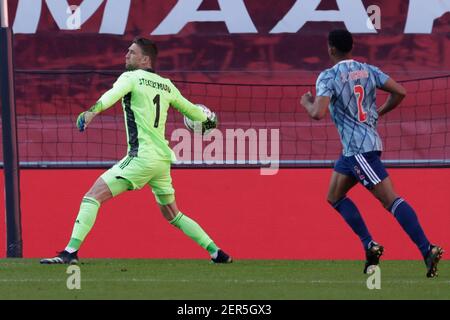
[[284, 216], [269, 40]]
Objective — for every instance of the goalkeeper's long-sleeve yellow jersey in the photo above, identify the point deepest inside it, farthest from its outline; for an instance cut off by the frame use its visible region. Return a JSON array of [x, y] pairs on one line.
[[146, 98]]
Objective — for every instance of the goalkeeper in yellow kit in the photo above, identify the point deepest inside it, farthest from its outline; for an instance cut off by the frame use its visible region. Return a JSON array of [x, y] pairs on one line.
[[146, 98]]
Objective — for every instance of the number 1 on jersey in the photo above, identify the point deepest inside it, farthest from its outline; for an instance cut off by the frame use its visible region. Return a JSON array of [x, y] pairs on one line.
[[359, 92], [157, 102]]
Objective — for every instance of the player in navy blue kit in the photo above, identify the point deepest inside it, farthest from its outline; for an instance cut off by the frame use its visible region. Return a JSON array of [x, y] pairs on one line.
[[348, 89]]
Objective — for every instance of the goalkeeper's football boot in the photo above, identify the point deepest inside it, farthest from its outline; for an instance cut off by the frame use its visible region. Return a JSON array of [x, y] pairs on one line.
[[222, 257], [432, 260], [63, 257], [373, 255]]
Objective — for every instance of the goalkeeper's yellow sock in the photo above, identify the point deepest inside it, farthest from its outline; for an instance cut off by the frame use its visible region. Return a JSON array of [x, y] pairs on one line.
[[84, 223], [195, 232]]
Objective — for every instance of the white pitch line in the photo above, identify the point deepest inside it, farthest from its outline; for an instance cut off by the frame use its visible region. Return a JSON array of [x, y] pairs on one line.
[[231, 281]]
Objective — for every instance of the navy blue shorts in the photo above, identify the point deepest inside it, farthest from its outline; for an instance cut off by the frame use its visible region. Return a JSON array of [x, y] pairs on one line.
[[367, 168]]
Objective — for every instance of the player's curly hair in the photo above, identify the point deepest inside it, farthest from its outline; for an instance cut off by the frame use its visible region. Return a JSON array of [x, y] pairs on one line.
[[148, 47], [341, 39]]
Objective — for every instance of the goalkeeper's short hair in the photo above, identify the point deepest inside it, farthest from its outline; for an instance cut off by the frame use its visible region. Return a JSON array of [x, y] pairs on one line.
[[148, 47]]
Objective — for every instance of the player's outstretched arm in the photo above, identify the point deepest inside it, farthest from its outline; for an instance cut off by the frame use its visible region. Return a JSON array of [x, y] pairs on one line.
[[397, 93], [86, 117], [121, 87], [186, 107], [189, 109], [316, 108]]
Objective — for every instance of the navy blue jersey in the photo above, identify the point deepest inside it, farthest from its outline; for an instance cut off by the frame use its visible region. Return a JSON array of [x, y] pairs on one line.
[[351, 86]]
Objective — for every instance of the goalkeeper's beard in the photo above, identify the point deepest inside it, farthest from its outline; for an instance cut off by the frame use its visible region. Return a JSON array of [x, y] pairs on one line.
[[130, 67]]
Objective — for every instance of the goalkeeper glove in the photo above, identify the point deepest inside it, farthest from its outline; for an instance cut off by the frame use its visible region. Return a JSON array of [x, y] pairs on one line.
[[84, 119], [81, 121], [210, 122]]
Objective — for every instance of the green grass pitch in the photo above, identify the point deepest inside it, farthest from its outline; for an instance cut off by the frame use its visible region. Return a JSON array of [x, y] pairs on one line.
[[199, 279]]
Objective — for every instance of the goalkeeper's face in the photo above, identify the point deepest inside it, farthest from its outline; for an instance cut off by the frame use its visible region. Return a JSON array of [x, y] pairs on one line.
[[135, 59]]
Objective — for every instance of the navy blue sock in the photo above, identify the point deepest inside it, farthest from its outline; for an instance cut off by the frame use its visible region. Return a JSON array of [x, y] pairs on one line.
[[407, 218], [351, 215]]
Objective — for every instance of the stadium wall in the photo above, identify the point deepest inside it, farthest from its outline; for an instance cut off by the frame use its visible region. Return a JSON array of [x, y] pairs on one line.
[[284, 216], [412, 41]]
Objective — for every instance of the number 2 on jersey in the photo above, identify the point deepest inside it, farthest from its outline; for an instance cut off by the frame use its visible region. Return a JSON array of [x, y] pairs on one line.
[[157, 102], [359, 92]]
